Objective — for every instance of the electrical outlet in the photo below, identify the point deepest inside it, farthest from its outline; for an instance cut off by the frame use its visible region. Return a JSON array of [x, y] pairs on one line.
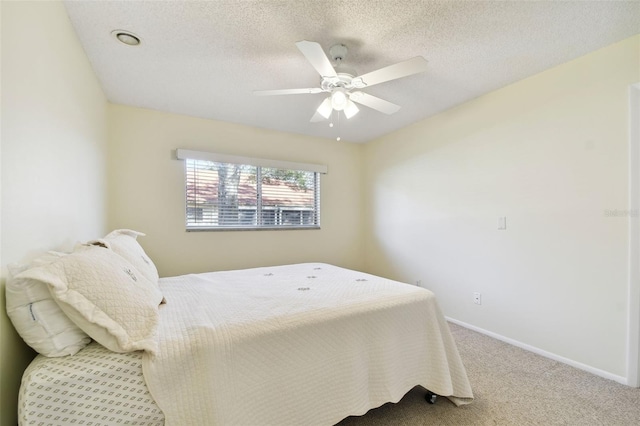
[[477, 298], [419, 283]]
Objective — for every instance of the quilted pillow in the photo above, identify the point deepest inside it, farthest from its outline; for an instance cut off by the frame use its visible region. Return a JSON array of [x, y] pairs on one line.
[[124, 242], [37, 317], [105, 296]]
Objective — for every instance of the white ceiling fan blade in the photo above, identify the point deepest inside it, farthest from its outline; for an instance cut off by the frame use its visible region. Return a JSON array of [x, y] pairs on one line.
[[392, 72], [316, 56], [374, 102], [287, 91]]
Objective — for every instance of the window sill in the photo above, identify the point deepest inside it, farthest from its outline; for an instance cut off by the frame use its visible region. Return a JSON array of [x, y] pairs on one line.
[[248, 228]]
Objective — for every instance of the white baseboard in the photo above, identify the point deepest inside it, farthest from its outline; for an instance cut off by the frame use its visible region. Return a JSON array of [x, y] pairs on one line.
[[572, 363]]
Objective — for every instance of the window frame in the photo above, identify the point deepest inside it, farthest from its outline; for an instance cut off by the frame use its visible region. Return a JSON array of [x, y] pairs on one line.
[[259, 210]]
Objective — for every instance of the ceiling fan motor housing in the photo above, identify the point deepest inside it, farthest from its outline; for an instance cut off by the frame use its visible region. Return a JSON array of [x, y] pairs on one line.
[[344, 80]]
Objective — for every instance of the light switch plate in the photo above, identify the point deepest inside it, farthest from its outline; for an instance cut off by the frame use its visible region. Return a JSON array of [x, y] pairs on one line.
[[502, 223]]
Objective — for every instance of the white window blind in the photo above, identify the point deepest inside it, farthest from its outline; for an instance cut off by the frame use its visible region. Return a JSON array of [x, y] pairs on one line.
[[233, 195]]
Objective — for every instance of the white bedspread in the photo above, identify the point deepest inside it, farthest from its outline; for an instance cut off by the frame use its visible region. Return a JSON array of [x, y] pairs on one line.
[[306, 344]]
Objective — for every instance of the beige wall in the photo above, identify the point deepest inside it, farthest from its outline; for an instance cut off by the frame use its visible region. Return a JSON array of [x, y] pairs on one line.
[[53, 154], [146, 193], [551, 154]]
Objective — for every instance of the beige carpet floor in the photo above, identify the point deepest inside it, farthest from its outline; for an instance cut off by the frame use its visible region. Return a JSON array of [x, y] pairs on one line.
[[514, 387]]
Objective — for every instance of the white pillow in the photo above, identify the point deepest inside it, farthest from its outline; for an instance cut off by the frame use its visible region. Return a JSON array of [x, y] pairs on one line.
[[105, 296], [124, 242], [36, 316]]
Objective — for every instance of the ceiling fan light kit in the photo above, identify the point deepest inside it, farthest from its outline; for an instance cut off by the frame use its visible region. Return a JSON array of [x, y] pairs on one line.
[[343, 87], [325, 109], [351, 109], [338, 98]]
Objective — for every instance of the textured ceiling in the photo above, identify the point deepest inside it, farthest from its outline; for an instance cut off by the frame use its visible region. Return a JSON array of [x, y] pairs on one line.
[[204, 59]]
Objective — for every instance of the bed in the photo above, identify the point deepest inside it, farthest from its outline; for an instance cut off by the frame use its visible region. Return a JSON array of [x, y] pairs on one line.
[[287, 345]]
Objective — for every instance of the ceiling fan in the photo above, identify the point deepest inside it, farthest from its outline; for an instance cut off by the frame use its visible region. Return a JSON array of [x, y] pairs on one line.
[[344, 87]]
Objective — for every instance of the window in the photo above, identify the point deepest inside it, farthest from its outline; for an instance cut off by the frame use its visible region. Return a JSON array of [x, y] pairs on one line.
[[230, 193]]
